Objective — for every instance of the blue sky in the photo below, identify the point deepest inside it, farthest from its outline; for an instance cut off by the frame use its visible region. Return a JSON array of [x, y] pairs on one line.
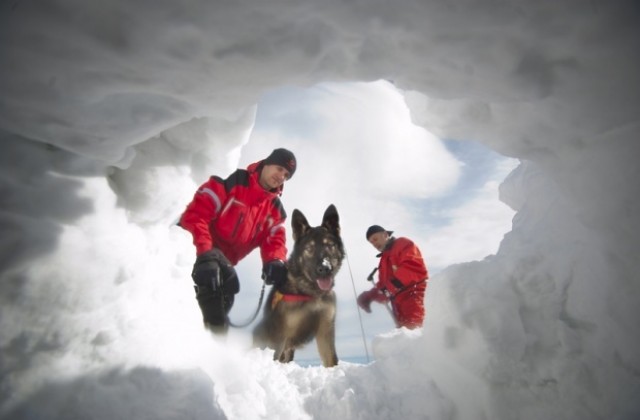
[[479, 167]]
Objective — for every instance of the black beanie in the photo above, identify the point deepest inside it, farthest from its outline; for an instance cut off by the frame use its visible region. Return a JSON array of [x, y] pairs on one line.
[[284, 158], [375, 229]]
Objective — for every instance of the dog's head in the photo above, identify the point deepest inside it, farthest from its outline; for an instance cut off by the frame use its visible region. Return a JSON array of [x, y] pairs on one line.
[[317, 253]]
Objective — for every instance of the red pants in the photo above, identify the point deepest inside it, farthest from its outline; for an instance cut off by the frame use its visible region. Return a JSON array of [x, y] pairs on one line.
[[408, 306]]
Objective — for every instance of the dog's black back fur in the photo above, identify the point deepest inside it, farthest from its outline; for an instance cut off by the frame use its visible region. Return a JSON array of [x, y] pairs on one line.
[[316, 258]]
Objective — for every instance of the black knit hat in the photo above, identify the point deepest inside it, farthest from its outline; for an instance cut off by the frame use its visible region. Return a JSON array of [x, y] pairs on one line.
[[284, 158], [375, 229]]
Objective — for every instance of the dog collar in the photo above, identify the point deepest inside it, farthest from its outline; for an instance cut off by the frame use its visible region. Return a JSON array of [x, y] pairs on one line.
[[278, 296]]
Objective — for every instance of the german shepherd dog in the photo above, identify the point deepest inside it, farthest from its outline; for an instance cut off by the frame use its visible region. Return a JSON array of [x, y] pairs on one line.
[[304, 307]]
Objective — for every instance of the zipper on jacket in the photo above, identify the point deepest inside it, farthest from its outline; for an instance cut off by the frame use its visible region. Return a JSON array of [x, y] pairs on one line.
[[235, 228], [263, 227]]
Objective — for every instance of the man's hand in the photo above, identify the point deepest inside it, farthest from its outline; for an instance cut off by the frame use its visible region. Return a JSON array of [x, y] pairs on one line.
[[274, 273], [365, 298], [207, 270], [364, 301]]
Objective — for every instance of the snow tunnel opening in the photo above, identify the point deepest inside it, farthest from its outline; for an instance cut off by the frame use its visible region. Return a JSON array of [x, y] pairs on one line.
[[358, 148]]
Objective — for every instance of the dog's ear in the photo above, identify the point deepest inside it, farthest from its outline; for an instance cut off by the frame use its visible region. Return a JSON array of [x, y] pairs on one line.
[[299, 224], [331, 221]]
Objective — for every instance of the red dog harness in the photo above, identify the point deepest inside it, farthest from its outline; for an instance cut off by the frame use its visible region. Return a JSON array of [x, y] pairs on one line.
[[277, 297]]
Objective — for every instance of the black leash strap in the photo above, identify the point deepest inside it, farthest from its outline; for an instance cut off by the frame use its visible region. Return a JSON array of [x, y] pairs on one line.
[[247, 323], [370, 276]]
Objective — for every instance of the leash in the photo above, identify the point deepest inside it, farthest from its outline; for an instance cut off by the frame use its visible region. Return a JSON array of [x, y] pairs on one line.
[[389, 297], [353, 284], [389, 309], [255, 314]]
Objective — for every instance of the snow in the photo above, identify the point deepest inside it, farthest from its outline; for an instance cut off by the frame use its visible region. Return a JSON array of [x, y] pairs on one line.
[[112, 113]]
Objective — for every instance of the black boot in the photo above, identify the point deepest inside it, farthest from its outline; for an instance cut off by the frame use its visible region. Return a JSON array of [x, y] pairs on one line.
[[214, 307]]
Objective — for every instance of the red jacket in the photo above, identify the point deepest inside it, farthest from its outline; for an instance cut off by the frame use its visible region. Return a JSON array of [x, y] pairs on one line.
[[403, 273], [237, 215], [401, 265]]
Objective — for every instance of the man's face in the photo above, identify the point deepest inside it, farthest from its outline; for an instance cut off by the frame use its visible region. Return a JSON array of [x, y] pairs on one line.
[[273, 176], [378, 240]]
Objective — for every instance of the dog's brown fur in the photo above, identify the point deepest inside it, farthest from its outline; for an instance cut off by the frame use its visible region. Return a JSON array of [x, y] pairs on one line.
[[315, 260]]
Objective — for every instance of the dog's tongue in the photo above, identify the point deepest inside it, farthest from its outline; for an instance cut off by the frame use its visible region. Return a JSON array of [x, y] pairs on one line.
[[325, 283]]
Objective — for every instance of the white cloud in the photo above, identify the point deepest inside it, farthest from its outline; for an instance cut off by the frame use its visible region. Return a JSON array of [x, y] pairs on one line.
[[475, 228], [362, 152]]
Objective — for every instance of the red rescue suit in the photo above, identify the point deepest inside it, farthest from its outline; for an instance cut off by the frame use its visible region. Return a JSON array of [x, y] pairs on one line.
[[237, 215], [403, 280]]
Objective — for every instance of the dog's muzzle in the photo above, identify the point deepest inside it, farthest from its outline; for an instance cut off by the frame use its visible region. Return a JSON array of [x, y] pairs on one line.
[[324, 268], [324, 280]]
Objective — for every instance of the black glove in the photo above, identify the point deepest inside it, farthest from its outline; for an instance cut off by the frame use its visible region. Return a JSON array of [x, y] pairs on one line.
[[274, 273], [212, 269]]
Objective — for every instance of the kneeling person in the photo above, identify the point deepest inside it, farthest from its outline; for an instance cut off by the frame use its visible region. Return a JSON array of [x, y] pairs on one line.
[[229, 218]]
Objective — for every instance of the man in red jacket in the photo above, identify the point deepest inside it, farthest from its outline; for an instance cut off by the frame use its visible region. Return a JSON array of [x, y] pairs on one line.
[[228, 219], [402, 278]]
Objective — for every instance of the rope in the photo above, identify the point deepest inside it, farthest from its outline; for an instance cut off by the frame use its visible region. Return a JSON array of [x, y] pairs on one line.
[[353, 284], [247, 323]]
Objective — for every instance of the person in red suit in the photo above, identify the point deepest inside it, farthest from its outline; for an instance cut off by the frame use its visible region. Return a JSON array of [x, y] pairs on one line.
[[229, 218], [402, 278]]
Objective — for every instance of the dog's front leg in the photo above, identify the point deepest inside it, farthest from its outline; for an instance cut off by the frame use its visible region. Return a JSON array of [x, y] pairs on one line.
[[283, 352], [326, 340], [287, 355]]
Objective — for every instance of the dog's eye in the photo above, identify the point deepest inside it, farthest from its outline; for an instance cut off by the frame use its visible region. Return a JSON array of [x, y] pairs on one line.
[[309, 249], [329, 245]]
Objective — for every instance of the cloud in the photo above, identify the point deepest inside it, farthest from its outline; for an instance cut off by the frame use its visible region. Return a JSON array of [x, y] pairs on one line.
[[474, 229], [360, 150]]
